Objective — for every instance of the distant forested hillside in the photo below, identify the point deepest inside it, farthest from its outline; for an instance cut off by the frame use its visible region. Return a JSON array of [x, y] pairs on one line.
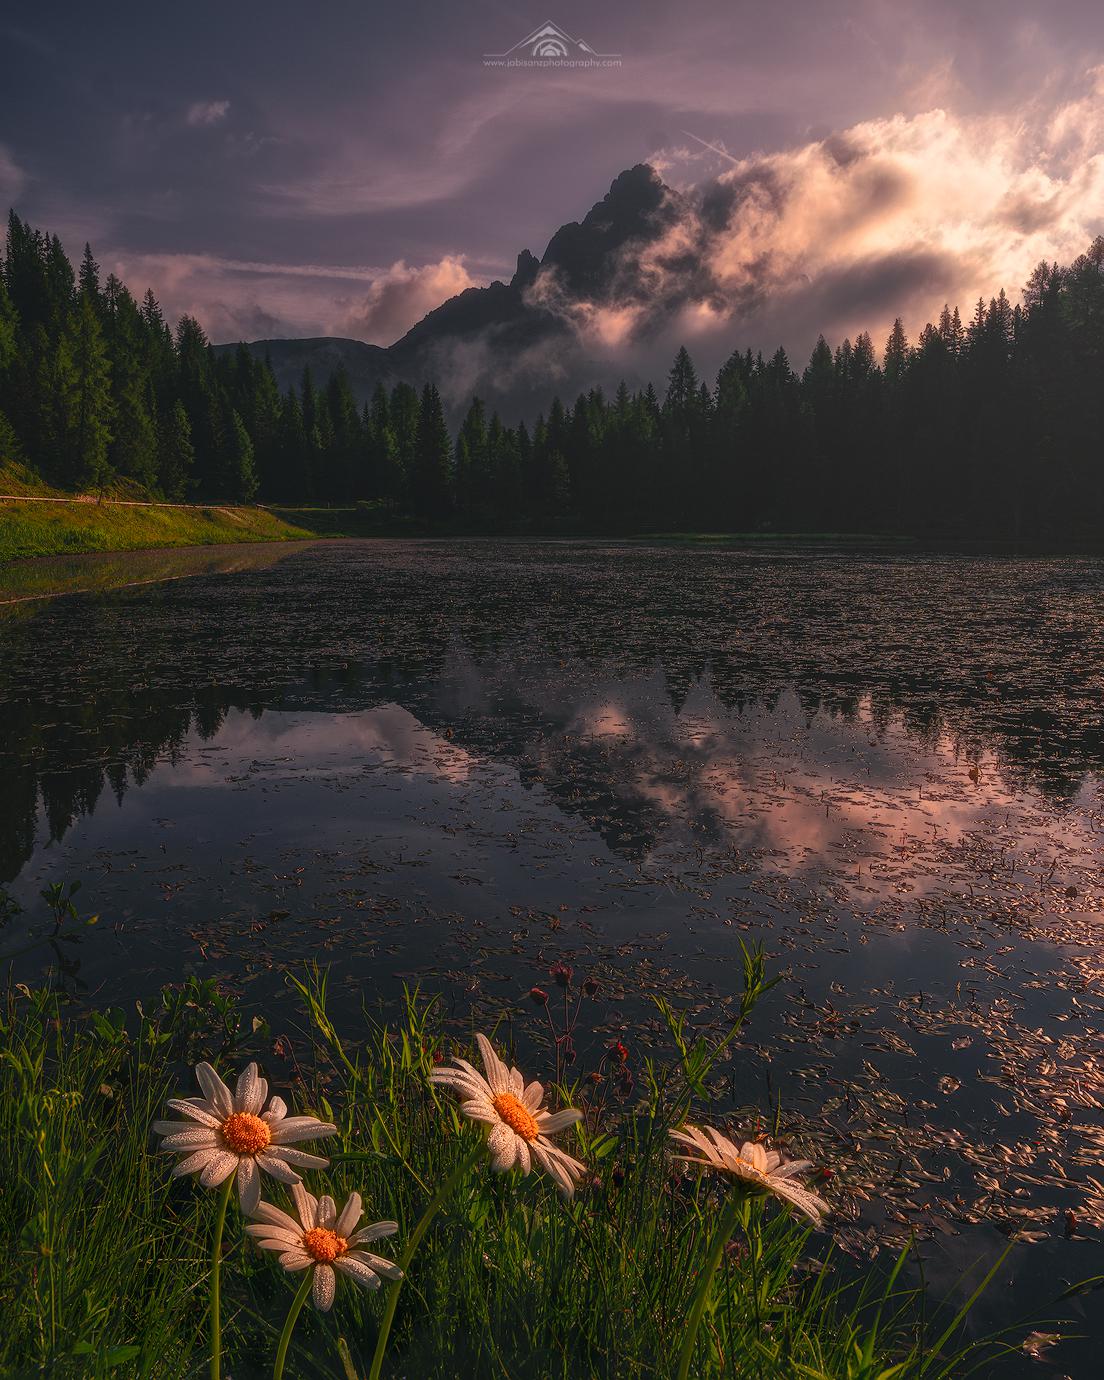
[[989, 427]]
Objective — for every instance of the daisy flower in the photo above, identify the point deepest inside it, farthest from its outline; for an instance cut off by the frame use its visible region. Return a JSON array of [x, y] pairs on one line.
[[758, 1169], [512, 1108], [324, 1240], [227, 1133]]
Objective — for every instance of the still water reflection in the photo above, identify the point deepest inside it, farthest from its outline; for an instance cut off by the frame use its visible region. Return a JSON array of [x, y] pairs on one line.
[[457, 764]]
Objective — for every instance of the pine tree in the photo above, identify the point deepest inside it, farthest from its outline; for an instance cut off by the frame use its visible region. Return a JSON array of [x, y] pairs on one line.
[[431, 476], [81, 380], [175, 455], [9, 328], [134, 444], [88, 279], [895, 359], [239, 474]]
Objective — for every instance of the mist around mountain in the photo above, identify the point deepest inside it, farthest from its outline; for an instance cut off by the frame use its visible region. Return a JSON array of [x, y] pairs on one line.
[[543, 332]]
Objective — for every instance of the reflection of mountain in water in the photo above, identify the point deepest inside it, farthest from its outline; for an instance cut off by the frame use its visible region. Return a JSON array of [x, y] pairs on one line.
[[520, 652]]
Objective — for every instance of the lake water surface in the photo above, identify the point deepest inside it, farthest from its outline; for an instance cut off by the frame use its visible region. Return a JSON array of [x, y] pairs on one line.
[[455, 764]]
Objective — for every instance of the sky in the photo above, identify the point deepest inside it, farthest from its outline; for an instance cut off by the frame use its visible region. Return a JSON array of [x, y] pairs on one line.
[[343, 169]]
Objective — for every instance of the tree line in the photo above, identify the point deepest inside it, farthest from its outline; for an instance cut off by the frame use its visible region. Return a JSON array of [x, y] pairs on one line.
[[992, 426]]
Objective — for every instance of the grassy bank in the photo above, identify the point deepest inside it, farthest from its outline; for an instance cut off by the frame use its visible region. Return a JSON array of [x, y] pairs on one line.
[[30, 528], [107, 1271]]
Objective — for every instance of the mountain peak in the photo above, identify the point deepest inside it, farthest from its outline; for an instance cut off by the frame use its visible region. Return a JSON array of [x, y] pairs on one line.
[[528, 266]]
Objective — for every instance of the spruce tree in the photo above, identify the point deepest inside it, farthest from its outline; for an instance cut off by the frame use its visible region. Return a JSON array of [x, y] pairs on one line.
[[430, 481], [175, 455]]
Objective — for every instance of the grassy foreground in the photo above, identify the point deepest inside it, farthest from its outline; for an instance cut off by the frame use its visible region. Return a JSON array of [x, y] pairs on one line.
[[107, 1268]]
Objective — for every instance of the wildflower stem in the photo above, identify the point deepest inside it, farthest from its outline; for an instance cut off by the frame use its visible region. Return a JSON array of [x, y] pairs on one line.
[[435, 1204], [289, 1323], [216, 1279], [725, 1228]]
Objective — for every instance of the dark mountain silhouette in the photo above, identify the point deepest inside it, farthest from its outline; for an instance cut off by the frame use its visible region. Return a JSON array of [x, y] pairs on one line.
[[506, 340]]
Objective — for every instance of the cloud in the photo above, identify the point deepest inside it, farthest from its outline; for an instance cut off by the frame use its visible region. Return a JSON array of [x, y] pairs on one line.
[[890, 216], [240, 299], [204, 113], [401, 296]]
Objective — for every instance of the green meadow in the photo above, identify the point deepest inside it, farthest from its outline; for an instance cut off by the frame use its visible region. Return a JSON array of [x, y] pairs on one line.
[[109, 1266]]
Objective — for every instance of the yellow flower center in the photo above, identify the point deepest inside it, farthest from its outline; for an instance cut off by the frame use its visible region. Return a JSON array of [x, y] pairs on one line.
[[246, 1134], [518, 1117], [324, 1244]]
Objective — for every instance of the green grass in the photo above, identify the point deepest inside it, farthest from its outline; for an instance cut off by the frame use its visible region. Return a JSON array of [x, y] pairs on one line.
[[79, 526], [106, 1269]]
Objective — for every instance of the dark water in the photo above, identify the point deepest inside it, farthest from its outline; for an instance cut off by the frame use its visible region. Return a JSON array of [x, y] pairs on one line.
[[456, 764]]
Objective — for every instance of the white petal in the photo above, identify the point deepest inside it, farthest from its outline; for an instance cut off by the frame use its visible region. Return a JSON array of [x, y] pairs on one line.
[[215, 1090], [466, 1084], [290, 1155], [296, 1260], [551, 1122], [325, 1282], [193, 1163], [294, 1128], [521, 1145], [380, 1264], [269, 1213], [502, 1144], [475, 1111], [374, 1232], [196, 1109], [195, 1139], [350, 1216], [306, 1205], [498, 1076], [554, 1170], [358, 1270], [532, 1097], [249, 1184], [267, 1232], [754, 1153], [170, 1128], [327, 1211], [787, 1170], [251, 1091], [280, 1244], [276, 1111], [277, 1168], [218, 1168], [813, 1207], [472, 1072]]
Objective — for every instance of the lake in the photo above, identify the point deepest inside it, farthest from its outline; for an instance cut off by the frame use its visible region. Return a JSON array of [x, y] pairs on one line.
[[455, 764]]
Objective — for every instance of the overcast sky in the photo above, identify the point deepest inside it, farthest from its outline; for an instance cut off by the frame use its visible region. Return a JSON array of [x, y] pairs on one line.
[[341, 168]]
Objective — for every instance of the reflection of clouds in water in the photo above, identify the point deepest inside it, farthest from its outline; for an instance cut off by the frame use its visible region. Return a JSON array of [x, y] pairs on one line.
[[320, 744], [806, 789]]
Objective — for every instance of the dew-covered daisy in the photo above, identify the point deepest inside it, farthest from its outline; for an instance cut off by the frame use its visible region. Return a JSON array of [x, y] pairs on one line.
[[324, 1240], [512, 1108], [758, 1169], [227, 1133]]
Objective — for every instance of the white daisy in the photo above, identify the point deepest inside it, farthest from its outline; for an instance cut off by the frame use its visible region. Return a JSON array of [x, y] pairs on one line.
[[324, 1240], [512, 1108], [760, 1170], [236, 1133]]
